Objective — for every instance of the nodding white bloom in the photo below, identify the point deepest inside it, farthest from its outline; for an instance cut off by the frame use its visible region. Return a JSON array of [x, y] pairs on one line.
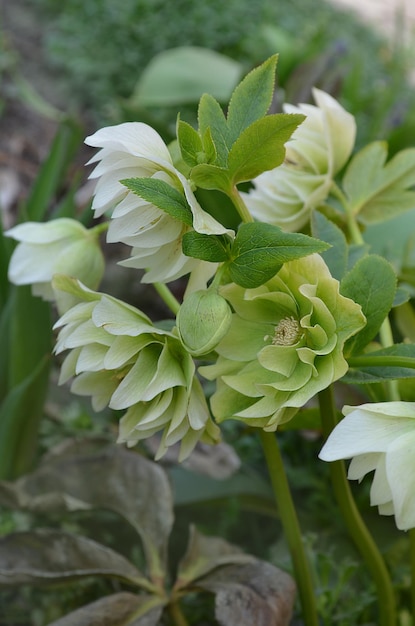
[[61, 246], [380, 437], [315, 153], [135, 150], [122, 361]]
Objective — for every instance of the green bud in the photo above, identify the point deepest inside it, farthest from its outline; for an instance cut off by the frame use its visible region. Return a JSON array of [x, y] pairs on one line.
[[202, 321]]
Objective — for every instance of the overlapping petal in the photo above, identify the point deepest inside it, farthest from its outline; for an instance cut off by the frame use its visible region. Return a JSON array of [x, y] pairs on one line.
[[285, 344], [380, 437], [118, 358]]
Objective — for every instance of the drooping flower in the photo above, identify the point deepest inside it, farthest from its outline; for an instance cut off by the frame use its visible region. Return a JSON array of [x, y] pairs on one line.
[[284, 345], [135, 150], [315, 153], [61, 246], [380, 437], [120, 359]]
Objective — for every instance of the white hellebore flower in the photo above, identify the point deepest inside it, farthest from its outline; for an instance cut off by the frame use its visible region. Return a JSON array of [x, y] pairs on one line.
[[316, 151], [135, 150], [118, 358], [380, 437], [61, 246]]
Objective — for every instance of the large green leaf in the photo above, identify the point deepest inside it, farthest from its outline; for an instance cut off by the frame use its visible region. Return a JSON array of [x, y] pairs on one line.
[[395, 362], [118, 609], [260, 250], [336, 257], [214, 248], [127, 483], [181, 75], [378, 190], [252, 98], [372, 284], [260, 147], [212, 120], [162, 195], [44, 555], [253, 593]]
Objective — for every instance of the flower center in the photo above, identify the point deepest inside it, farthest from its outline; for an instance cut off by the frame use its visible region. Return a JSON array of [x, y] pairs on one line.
[[287, 333]]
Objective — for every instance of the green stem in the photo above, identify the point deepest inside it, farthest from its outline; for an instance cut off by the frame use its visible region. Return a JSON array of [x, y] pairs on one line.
[[99, 229], [412, 557], [291, 527], [366, 360], [354, 522], [176, 614], [240, 205], [167, 297]]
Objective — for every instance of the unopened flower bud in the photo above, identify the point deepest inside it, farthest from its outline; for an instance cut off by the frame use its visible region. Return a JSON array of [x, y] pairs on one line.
[[203, 320]]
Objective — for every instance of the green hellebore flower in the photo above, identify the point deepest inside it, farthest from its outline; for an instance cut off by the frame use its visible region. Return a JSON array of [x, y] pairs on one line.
[[122, 361], [61, 246], [203, 319], [285, 344]]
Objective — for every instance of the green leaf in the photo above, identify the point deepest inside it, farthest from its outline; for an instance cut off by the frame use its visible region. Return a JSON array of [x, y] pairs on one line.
[[252, 98], [260, 147], [336, 257], [190, 143], [162, 195], [260, 250], [118, 609], [372, 284], [214, 248], [211, 177], [212, 118], [181, 75], [376, 191], [365, 369], [41, 556]]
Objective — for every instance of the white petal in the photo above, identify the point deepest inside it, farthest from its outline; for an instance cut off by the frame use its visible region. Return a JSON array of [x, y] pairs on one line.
[[400, 468]]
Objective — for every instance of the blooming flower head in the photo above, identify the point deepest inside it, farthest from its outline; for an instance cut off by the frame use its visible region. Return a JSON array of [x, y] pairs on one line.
[[61, 246], [380, 437], [317, 150], [284, 345], [122, 361], [135, 150]]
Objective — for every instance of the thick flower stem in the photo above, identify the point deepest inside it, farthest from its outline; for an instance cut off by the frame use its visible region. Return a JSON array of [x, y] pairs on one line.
[[167, 297], [291, 527], [176, 614], [240, 206], [354, 522]]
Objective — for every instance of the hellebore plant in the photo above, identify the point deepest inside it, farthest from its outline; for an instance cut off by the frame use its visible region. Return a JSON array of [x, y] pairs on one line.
[[276, 315]]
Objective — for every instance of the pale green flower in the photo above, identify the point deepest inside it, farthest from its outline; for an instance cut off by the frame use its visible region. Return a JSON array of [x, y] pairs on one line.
[[61, 246], [135, 150], [316, 152], [380, 437], [122, 361], [285, 344]]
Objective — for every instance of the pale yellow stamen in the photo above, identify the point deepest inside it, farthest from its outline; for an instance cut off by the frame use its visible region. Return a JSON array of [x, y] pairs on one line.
[[287, 333]]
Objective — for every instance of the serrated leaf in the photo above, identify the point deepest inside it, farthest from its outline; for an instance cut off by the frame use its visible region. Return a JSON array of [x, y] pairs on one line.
[[260, 147], [252, 98], [372, 284], [162, 195], [379, 191], [117, 609], [254, 593], [45, 555], [190, 143], [209, 176], [205, 554], [260, 250], [335, 257], [211, 116], [127, 483], [214, 248]]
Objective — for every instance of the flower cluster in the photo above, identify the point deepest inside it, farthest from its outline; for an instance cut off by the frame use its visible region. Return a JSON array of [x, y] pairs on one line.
[[381, 438], [121, 360], [285, 344], [316, 152], [134, 150]]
